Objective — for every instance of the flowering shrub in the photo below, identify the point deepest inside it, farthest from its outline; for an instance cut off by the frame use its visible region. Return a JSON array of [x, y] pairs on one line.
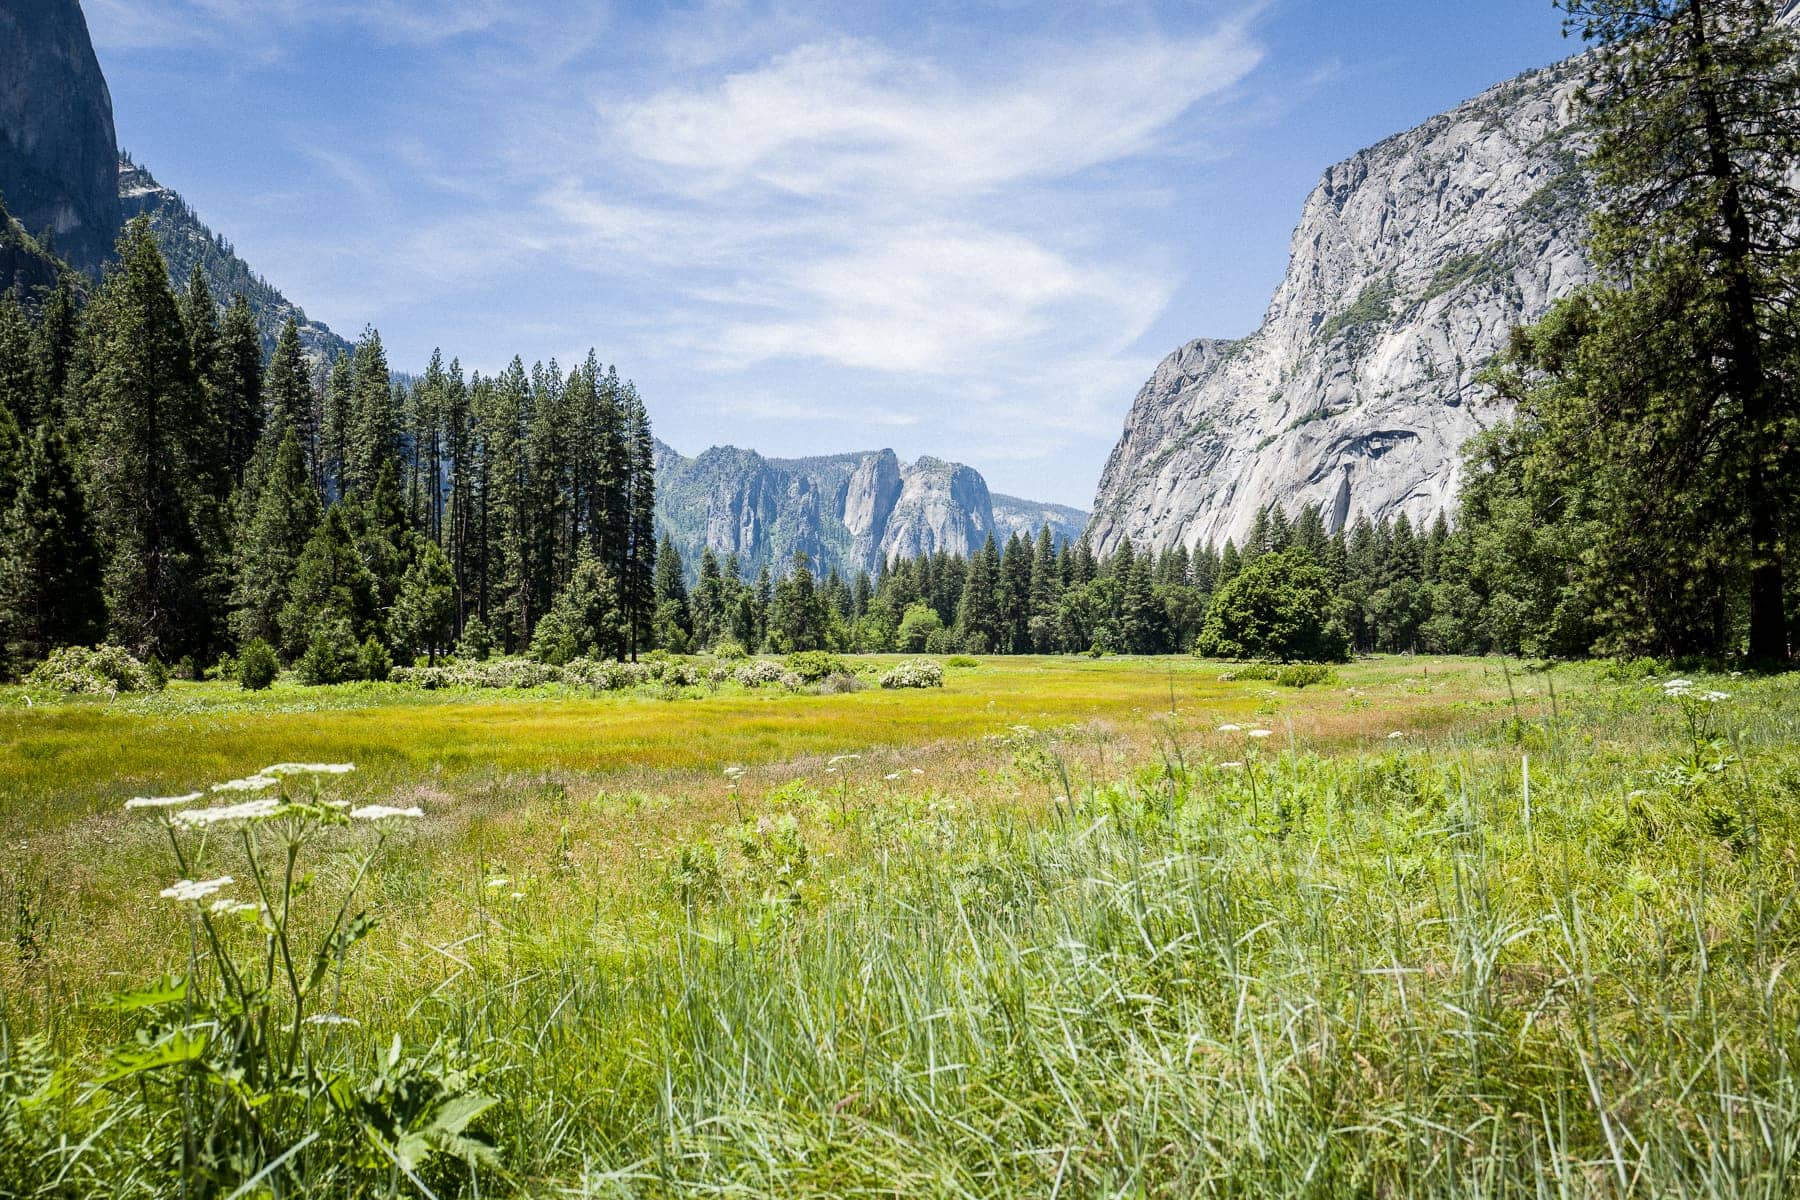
[[101, 671], [758, 673], [914, 673]]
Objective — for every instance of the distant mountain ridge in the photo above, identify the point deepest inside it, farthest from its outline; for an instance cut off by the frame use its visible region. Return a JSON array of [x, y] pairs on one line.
[[186, 240], [844, 511]]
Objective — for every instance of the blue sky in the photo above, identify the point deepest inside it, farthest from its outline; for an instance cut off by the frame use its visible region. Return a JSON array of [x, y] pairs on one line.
[[968, 229]]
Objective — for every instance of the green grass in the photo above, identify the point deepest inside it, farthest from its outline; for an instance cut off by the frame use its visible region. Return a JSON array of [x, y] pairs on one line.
[[1098, 947]]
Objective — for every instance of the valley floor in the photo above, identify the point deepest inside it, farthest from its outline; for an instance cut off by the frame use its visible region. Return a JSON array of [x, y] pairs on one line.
[[1064, 927]]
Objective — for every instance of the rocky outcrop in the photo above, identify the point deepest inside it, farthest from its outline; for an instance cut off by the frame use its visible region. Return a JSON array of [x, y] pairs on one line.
[[1013, 515], [186, 241], [57, 148], [1412, 263], [845, 511]]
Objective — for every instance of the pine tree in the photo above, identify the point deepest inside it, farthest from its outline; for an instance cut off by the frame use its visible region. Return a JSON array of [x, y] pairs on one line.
[[288, 399], [584, 619], [374, 442], [424, 612], [49, 565], [639, 594], [208, 445], [674, 625], [238, 389], [268, 550], [337, 428], [59, 337], [23, 393], [797, 615], [139, 405], [331, 585], [978, 618]]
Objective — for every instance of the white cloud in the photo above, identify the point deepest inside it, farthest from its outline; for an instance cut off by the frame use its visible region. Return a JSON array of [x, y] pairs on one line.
[[848, 117]]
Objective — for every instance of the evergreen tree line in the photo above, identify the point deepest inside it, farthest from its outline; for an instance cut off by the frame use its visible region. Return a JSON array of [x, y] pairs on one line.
[[1385, 586], [165, 489]]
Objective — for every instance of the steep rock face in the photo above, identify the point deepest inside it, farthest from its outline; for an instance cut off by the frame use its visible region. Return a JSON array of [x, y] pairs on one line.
[[57, 149], [185, 240], [27, 270], [845, 511], [1411, 264]]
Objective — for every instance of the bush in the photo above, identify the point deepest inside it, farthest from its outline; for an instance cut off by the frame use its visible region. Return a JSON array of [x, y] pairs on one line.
[[915, 673], [813, 665], [1299, 675], [477, 643], [1276, 608], [730, 650], [839, 683], [941, 641], [962, 660], [758, 673], [917, 625], [330, 655], [373, 662], [257, 666], [156, 675], [101, 671]]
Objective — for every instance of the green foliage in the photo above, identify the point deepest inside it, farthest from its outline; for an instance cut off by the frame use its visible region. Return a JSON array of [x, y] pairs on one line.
[[962, 661], [1300, 675], [332, 587], [729, 650], [1278, 608], [257, 666], [917, 625], [373, 662], [585, 620], [813, 665], [331, 653], [50, 592], [80, 671]]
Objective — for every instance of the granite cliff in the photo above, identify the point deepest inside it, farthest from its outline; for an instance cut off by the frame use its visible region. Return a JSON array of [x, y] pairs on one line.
[[847, 511], [1412, 262]]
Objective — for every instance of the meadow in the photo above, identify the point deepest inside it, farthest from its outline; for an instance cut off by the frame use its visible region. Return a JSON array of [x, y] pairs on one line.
[[1064, 927]]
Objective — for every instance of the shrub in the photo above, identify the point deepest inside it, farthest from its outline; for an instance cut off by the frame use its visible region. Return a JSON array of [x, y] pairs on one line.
[[101, 671], [257, 666], [330, 655], [730, 650], [1276, 608], [477, 643], [758, 673], [914, 673], [813, 665], [941, 641], [839, 683], [373, 662], [1299, 675], [917, 625], [962, 660], [156, 675]]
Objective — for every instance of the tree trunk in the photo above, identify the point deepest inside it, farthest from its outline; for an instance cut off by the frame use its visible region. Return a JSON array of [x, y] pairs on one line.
[[1744, 377]]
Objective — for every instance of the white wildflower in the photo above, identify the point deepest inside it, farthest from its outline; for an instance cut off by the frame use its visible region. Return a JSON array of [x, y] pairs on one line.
[[1678, 687], [891, 776], [499, 881], [190, 891], [917, 771], [330, 1019], [232, 908], [1714, 697], [1231, 729], [835, 759], [1231, 766], [163, 801], [383, 812], [734, 773], [1257, 733], [518, 895], [249, 783], [249, 810], [308, 769], [1398, 733]]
